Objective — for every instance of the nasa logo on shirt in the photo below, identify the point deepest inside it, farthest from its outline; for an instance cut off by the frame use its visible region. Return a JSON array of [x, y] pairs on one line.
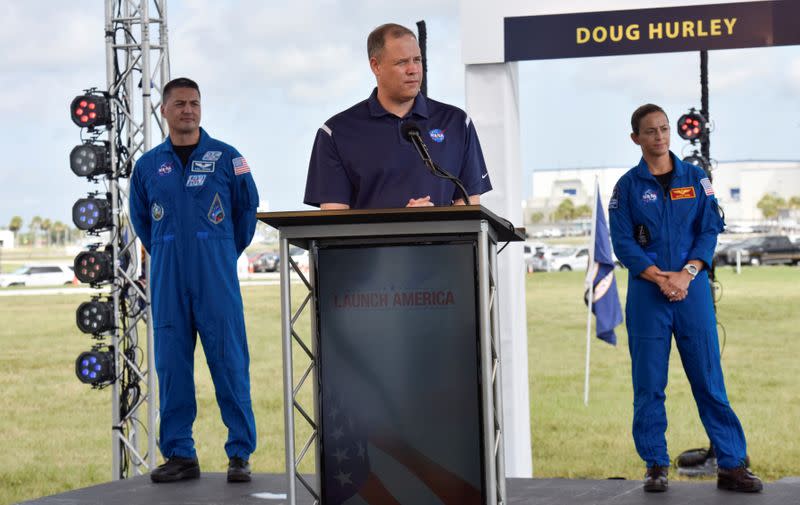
[[165, 168], [649, 196], [437, 135]]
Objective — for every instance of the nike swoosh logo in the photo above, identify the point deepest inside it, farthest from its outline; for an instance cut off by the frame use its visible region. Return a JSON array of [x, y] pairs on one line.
[[484, 176]]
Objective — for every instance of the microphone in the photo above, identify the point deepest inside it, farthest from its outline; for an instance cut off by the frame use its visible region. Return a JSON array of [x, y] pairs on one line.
[[411, 132]]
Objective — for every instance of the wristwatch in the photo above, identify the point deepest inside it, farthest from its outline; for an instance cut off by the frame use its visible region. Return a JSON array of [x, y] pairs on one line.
[[691, 269]]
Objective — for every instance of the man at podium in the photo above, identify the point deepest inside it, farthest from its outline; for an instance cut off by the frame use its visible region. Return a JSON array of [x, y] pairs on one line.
[[360, 159]]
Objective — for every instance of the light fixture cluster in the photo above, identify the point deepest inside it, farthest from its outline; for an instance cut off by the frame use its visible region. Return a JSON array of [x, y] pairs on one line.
[[694, 127], [92, 159]]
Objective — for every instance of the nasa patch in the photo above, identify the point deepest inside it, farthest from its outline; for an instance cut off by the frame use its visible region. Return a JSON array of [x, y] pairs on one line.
[[216, 213], [157, 211], [437, 135], [165, 168], [212, 155], [195, 180], [649, 196], [206, 167]]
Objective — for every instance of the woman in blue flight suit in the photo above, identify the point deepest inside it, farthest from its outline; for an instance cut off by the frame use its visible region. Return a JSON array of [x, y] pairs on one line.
[[664, 225]]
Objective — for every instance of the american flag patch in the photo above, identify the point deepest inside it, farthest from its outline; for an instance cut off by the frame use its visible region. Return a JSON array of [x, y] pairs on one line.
[[240, 166], [707, 186]]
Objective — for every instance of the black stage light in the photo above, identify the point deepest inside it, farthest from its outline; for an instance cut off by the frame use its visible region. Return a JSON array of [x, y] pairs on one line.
[[92, 214], [94, 266], [90, 110], [97, 266], [90, 160], [698, 160], [692, 126], [95, 316], [95, 367]]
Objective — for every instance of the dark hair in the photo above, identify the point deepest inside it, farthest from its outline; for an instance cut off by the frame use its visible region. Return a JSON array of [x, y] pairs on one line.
[[180, 82], [377, 38], [641, 112]]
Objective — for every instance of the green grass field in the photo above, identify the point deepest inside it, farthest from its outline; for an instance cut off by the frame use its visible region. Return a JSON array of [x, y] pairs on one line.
[[54, 431]]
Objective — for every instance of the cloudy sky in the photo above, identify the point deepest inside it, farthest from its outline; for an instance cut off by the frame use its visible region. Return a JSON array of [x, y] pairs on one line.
[[272, 72]]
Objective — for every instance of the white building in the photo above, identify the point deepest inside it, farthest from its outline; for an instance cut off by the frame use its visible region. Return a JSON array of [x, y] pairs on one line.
[[739, 185], [6, 239]]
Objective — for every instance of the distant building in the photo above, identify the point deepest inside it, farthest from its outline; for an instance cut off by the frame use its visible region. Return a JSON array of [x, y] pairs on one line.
[[739, 185], [6, 239]]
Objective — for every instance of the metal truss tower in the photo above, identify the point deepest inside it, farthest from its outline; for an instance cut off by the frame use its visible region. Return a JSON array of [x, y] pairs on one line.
[[137, 68]]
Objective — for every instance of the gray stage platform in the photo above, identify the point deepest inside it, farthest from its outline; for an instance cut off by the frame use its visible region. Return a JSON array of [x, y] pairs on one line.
[[211, 488]]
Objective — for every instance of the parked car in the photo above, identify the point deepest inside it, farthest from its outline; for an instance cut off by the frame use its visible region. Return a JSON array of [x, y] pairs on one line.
[[264, 262], [572, 258], [38, 275], [721, 254], [529, 252], [772, 249], [300, 257], [541, 259]]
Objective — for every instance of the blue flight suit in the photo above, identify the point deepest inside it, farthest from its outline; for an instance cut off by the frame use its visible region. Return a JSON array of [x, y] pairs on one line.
[[195, 222], [652, 227], [361, 159]]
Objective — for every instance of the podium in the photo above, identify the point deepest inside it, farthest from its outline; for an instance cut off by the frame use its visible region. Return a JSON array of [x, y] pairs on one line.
[[395, 389]]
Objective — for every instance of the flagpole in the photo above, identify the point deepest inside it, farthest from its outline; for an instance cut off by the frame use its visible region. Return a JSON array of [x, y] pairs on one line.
[[590, 280]]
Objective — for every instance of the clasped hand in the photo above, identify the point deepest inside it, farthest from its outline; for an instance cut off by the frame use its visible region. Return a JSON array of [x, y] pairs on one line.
[[674, 285], [425, 201]]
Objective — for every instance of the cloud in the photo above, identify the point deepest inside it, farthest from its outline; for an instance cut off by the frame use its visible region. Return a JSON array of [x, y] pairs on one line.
[[63, 36], [313, 51]]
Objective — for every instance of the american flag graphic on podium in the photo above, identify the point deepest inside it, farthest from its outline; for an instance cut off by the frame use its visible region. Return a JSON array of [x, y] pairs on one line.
[[361, 469]]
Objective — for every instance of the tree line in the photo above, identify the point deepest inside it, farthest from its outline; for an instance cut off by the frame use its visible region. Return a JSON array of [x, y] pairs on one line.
[[771, 205], [566, 211], [43, 232]]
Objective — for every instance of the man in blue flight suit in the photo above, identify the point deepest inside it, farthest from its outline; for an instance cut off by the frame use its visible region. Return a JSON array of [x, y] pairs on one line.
[[360, 159], [664, 226], [193, 203]]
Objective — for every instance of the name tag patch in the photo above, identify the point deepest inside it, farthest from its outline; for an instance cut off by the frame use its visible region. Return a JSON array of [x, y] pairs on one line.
[[212, 155], [195, 180], [682, 193], [206, 167]]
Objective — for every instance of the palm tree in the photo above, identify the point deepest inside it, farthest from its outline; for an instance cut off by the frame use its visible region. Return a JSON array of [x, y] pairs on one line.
[[58, 232], [15, 225], [46, 225], [36, 224]]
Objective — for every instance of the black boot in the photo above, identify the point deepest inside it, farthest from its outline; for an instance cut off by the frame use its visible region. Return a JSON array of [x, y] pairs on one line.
[[739, 479], [655, 480], [176, 469], [238, 470]]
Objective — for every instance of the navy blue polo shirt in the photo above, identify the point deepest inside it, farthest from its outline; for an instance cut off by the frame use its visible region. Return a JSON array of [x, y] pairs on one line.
[[361, 159]]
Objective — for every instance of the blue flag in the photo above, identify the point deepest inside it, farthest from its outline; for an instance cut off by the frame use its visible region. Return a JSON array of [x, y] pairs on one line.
[[605, 304]]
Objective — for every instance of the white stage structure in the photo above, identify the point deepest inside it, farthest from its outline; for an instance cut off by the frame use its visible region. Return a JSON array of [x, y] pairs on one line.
[[495, 36]]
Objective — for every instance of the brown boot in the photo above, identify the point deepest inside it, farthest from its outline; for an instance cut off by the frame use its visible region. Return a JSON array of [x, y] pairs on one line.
[[738, 479], [655, 480]]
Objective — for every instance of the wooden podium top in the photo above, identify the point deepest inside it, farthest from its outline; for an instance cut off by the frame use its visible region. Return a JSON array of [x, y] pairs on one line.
[[504, 229]]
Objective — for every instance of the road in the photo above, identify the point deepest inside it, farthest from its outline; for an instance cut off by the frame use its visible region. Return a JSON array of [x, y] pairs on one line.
[[262, 279]]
